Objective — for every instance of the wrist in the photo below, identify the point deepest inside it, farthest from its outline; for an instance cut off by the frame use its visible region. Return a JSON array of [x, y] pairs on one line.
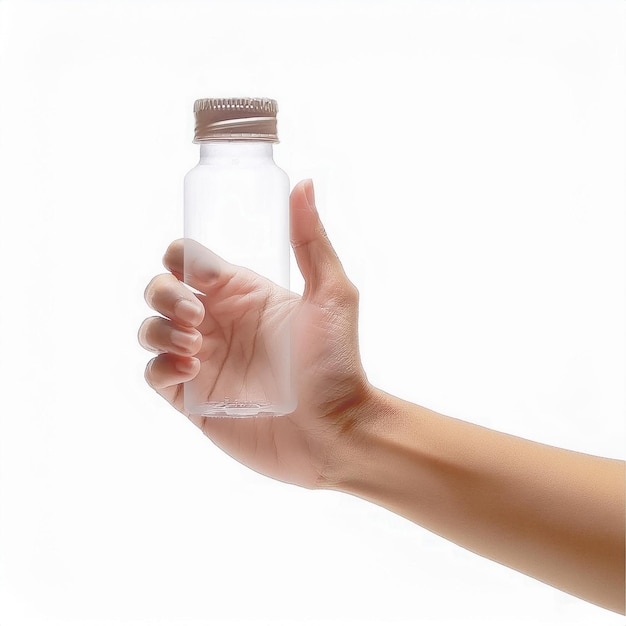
[[363, 443], [401, 456]]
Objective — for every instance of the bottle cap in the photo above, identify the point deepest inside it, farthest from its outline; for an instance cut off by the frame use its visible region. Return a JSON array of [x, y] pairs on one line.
[[228, 119]]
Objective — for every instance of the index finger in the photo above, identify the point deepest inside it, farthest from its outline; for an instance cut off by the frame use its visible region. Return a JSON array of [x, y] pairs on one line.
[[196, 265]]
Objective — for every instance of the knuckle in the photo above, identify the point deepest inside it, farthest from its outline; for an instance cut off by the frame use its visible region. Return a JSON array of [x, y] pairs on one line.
[[352, 293], [344, 294], [204, 267], [347, 293]]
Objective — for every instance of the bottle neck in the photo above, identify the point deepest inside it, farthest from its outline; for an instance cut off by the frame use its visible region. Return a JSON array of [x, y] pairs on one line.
[[213, 151]]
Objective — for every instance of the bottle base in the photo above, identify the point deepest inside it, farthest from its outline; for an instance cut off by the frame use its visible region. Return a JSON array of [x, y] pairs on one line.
[[236, 409]]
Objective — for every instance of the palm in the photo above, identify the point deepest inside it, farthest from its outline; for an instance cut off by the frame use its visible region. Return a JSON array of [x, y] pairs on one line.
[[245, 344], [240, 317]]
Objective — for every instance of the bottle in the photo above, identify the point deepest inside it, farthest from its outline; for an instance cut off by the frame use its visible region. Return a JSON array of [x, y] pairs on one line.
[[236, 204]]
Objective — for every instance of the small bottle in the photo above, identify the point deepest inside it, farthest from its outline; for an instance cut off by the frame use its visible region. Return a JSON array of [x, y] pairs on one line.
[[236, 204]]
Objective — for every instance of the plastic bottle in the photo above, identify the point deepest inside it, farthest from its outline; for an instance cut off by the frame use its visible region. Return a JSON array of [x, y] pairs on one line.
[[236, 204]]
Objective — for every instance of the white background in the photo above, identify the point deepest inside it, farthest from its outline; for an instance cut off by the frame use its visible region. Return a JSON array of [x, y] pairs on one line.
[[469, 161]]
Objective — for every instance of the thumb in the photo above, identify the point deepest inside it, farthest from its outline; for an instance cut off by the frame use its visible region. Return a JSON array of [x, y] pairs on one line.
[[324, 276]]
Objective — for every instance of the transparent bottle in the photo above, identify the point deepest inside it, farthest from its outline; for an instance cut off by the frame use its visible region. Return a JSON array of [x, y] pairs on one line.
[[236, 204]]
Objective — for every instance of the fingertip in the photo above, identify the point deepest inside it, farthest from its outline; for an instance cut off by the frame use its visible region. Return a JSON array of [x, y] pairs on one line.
[[173, 257], [309, 193], [305, 222], [303, 196]]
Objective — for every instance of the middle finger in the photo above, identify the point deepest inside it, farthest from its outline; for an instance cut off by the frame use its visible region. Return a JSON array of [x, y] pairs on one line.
[[161, 335], [168, 296]]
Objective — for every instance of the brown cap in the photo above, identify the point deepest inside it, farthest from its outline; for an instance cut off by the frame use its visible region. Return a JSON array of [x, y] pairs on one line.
[[251, 119]]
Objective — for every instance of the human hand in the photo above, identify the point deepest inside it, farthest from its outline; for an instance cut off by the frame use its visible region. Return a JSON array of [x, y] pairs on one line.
[[196, 330]]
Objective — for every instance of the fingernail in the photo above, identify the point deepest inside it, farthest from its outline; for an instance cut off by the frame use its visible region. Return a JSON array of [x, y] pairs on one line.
[[309, 192], [187, 310], [201, 264], [182, 339]]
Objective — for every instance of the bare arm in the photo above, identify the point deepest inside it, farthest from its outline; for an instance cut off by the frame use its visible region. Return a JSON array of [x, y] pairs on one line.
[[553, 514]]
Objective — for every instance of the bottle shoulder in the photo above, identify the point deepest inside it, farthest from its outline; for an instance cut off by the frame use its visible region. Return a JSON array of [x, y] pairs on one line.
[[215, 170], [282, 171]]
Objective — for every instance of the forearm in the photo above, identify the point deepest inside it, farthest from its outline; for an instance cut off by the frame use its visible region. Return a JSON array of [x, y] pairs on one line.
[[553, 514]]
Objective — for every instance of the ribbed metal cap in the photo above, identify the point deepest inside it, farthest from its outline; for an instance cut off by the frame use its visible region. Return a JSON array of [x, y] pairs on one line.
[[250, 119]]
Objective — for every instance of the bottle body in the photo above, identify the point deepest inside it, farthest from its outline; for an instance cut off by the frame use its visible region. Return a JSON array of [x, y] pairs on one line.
[[236, 204]]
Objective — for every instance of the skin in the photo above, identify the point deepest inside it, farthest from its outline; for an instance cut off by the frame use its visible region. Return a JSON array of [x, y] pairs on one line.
[[553, 514]]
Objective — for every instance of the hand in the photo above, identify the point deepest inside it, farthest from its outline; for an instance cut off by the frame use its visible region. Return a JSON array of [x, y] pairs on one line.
[[194, 336]]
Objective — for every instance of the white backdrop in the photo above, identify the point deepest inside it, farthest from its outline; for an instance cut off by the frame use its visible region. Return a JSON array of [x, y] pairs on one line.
[[469, 161]]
